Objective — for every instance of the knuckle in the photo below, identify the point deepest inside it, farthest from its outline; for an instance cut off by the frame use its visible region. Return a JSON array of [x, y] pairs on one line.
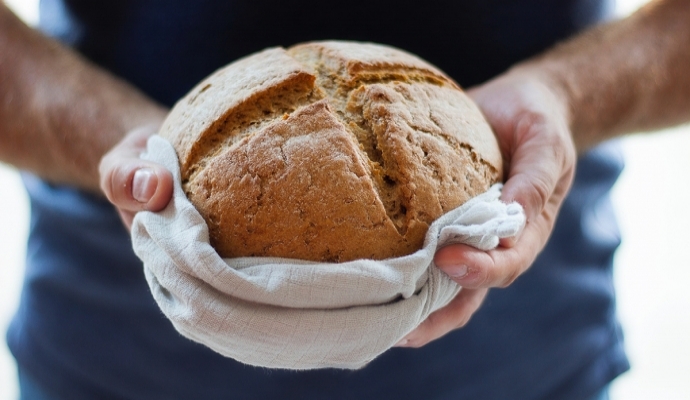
[[483, 276], [509, 279], [528, 123], [487, 272], [462, 321], [518, 265], [541, 192]]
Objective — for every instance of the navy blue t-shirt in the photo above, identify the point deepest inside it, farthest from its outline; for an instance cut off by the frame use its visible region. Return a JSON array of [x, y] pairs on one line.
[[87, 326]]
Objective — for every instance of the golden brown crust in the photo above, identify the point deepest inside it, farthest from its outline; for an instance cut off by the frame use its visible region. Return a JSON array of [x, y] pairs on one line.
[[329, 151]]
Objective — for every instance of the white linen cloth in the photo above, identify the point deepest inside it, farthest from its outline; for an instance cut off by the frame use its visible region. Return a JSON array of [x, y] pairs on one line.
[[286, 313]]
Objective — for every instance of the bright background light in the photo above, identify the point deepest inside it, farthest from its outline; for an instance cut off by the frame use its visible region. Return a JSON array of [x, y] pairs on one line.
[[652, 265]]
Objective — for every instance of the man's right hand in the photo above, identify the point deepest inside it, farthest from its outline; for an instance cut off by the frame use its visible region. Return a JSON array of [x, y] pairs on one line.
[[530, 120]]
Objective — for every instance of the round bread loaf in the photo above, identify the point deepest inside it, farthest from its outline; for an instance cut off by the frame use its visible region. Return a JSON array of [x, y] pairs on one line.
[[329, 151]]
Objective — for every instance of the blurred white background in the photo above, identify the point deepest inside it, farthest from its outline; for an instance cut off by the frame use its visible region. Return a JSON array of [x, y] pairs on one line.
[[652, 272]]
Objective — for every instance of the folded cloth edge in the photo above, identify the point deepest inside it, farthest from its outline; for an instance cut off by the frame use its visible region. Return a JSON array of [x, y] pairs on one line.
[[257, 310]]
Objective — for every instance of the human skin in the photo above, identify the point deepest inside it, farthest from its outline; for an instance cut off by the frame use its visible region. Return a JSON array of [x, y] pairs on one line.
[[59, 114], [540, 111], [627, 76]]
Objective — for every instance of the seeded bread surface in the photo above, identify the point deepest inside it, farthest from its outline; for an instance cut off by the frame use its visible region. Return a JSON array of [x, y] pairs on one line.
[[329, 151]]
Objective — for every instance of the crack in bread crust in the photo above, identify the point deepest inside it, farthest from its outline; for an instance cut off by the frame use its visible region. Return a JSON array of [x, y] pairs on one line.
[[249, 117], [406, 149]]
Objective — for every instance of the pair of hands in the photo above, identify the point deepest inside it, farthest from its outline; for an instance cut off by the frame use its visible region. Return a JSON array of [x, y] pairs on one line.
[[530, 120]]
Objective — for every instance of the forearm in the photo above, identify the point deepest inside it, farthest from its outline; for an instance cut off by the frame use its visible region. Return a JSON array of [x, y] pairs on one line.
[[626, 76], [58, 113]]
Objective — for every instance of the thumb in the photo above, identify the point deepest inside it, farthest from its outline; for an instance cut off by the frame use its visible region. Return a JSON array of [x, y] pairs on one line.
[[133, 184]]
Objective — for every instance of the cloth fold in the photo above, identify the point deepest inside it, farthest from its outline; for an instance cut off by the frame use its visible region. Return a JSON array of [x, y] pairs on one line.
[[294, 314]]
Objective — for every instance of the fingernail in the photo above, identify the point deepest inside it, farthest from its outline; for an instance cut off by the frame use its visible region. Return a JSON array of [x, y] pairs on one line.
[[457, 272], [144, 185], [401, 343]]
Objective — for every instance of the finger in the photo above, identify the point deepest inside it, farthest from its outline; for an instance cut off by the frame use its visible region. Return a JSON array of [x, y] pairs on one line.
[[542, 160], [474, 268], [453, 316], [510, 241], [133, 184], [534, 139]]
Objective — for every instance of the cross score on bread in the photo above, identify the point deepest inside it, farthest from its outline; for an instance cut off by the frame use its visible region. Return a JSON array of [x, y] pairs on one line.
[[329, 151]]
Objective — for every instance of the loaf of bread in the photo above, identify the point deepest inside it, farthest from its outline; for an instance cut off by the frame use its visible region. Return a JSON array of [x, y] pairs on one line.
[[329, 151]]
